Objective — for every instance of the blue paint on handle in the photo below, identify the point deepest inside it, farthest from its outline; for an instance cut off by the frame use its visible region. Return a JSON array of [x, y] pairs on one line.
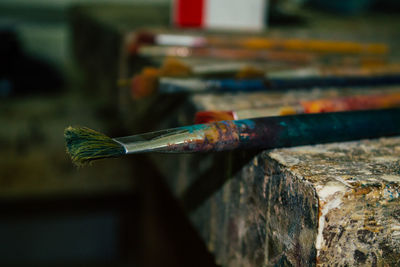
[[233, 85], [254, 85]]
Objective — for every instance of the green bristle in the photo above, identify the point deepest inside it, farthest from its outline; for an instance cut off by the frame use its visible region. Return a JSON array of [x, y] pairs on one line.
[[85, 145]]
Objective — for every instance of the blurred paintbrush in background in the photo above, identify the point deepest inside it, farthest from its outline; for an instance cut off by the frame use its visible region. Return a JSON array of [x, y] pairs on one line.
[[146, 82], [301, 78], [227, 53], [358, 102], [251, 42], [174, 76]]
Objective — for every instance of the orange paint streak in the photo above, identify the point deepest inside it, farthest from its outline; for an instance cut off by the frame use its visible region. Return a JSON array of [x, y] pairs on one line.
[[352, 103], [287, 111], [314, 45], [213, 116]]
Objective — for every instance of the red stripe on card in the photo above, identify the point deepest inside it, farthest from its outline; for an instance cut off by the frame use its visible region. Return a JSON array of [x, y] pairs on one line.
[[189, 13]]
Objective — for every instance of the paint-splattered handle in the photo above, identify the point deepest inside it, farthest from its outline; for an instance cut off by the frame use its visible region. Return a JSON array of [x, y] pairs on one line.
[[286, 131], [268, 132]]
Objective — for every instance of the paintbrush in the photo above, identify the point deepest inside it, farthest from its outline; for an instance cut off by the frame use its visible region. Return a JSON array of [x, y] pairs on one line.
[[349, 103], [312, 45], [85, 145], [192, 85], [248, 78], [176, 85], [321, 46], [227, 53], [146, 82], [342, 70]]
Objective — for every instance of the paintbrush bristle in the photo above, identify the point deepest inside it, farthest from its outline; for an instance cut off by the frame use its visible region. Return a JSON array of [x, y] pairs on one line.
[[250, 72], [145, 83], [85, 145], [173, 67]]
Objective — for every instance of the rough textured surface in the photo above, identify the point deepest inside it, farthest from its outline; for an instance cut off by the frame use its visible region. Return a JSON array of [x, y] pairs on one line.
[[311, 205], [248, 225], [357, 185]]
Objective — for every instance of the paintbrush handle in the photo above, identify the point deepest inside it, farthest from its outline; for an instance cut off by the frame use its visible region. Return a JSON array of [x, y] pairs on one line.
[[307, 129], [268, 132], [324, 46], [176, 85], [332, 81], [313, 45]]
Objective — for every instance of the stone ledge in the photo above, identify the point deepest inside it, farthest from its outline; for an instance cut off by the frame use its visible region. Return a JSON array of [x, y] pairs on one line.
[[357, 186], [312, 205]]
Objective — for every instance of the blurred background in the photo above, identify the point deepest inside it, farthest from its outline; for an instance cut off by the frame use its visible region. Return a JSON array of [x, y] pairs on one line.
[[60, 62]]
